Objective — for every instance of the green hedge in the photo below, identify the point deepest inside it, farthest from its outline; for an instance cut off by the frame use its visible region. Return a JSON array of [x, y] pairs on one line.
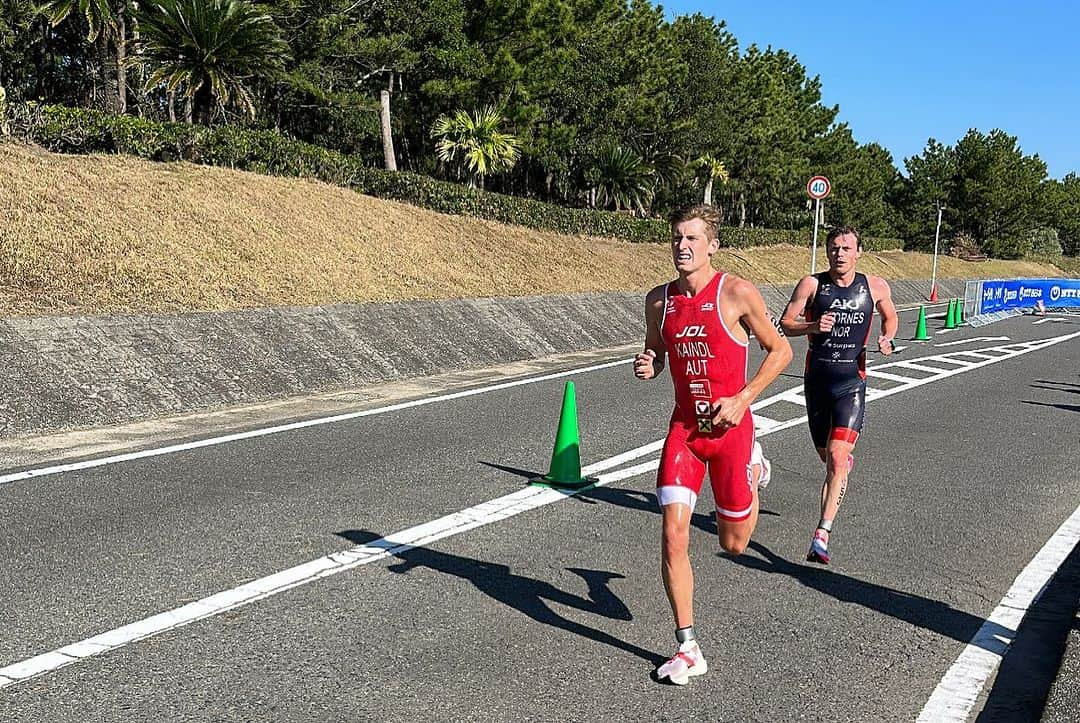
[[80, 130]]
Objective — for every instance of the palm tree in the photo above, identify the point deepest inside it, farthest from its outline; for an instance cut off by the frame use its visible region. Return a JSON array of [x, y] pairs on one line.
[[623, 178], [713, 169], [477, 140], [106, 24], [209, 50]]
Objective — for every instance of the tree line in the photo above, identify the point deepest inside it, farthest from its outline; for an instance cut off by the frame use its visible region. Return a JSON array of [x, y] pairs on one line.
[[584, 103]]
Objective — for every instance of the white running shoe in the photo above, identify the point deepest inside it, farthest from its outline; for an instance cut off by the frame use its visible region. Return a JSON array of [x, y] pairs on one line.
[[684, 665], [758, 457], [819, 548]]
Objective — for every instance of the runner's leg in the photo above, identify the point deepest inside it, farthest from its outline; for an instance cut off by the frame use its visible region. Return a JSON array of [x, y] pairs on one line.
[[678, 481], [735, 486], [847, 418]]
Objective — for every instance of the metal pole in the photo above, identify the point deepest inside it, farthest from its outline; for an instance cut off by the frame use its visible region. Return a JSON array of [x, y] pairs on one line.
[[813, 253], [937, 235]]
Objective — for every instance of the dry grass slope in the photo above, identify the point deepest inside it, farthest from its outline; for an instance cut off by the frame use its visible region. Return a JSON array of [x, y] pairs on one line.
[[93, 234]]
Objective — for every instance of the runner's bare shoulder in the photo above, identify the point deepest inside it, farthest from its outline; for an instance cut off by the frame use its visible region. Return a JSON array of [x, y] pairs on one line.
[[879, 287]]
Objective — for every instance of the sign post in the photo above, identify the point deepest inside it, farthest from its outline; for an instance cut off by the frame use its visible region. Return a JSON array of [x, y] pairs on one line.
[[817, 188], [933, 272]]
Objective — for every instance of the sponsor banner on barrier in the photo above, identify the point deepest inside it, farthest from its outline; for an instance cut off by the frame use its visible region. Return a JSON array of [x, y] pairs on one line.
[[998, 295]]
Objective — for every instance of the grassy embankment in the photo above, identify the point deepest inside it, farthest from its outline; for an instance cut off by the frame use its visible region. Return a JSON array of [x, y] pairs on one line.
[[98, 234]]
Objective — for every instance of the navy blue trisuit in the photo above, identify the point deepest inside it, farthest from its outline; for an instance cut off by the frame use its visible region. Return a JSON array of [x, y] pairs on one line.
[[835, 378]]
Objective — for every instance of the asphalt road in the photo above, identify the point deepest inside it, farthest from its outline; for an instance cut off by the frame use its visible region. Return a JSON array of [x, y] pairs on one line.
[[545, 606]]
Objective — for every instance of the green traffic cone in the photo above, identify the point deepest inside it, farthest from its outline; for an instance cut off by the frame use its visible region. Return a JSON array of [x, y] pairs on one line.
[[959, 312], [565, 470], [920, 326], [950, 315]]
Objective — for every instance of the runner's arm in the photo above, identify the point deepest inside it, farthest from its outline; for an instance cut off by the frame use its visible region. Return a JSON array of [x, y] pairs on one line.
[[730, 410], [879, 289], [650, 362], [800, 299]]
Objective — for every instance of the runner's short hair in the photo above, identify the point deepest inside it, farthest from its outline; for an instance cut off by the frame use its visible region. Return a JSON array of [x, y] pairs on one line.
[[708, 214], [844, 231]]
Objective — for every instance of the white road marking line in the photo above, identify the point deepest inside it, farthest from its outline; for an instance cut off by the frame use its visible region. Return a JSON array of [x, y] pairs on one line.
[[873, 372], [762, 422], [954, 358], [959, 689], [771, 400], [795, 396], [624, 457], [919, 367], [974, 339], [979, 354], [485, 513], [224, 439], [142, 454]]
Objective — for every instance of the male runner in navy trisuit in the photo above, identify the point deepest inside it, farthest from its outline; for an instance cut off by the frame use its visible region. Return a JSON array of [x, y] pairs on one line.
[[837, 307]]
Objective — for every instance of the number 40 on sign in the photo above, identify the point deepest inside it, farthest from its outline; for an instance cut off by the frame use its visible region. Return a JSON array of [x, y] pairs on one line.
[[818, 187]]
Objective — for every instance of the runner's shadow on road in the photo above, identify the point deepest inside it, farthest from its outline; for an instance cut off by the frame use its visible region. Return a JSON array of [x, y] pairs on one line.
[[1056, 386], [646, 502], [524, 594], [642, 502], [924, 612], [630, 499], [1066, 407]]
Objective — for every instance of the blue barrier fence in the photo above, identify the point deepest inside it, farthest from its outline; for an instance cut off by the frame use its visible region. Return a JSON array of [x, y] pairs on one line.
[[990, 295]]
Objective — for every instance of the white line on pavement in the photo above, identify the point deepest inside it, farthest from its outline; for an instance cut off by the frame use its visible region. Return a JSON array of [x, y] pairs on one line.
[[142, 454], [223, 439], [918, 367], [485, 513], [763, 422], [874, 372], [249, 434], [959, 690], [974, 339]]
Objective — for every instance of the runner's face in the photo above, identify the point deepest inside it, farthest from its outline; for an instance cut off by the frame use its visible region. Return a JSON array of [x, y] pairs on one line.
[[690, 246], [843, 252]]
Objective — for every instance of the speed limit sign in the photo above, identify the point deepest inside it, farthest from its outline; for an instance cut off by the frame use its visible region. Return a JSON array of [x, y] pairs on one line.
[[818, 187]]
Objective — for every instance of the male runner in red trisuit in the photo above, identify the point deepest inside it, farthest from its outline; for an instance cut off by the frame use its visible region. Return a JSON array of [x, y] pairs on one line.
[[838, 310], [701, 320]]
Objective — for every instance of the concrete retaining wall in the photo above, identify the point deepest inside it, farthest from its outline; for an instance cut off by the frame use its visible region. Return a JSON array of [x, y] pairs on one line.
[[67, 372]]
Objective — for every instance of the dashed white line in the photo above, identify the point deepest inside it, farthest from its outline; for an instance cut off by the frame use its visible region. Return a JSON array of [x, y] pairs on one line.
[[959, 689], [973, 340], [249, 434], [485, 513], [978, 354], [918, 367], [875, 372], [762, 422]]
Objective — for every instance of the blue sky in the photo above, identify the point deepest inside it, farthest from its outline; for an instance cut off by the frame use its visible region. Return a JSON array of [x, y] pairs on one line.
[[906, 71]]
